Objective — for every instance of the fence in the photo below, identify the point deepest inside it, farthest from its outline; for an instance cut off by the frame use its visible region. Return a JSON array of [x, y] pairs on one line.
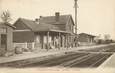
[[24, 45]]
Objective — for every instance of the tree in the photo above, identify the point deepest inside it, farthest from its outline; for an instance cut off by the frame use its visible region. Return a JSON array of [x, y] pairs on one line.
[[6, 16], [107, 39]]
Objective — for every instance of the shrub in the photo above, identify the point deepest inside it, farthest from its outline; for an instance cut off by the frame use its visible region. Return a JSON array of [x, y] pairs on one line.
[[18, 50], [2, 51], [26, 49]]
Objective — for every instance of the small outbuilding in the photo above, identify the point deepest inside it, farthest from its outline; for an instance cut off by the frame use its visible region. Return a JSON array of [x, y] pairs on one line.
[[84, 38], [6, 41]]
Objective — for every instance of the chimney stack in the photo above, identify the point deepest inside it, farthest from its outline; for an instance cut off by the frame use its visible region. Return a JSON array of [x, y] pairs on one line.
[[37, 20], [57, 15], [40, 17]]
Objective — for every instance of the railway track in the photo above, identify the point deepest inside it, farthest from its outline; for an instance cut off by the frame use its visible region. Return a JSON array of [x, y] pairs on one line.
[[94, 61], [58, 60], [81, 58], [74, 60]]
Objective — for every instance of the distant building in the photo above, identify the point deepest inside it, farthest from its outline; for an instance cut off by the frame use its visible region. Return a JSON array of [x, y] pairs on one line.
[[85, 38], [6, 37], [45, 32]]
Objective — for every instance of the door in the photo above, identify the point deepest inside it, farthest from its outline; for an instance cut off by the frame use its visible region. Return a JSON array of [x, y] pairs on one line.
[[4, 41]]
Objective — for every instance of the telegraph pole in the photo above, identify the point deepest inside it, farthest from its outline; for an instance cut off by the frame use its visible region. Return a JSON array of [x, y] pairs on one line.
[[76, 16], [76, 32]]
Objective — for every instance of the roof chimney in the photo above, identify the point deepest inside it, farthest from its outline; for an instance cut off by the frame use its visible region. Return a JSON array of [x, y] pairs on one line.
[[37, 20], [57, 15], [40, 17]]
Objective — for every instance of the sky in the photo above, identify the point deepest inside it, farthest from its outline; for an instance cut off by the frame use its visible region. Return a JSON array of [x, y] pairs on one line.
[[94, 16]]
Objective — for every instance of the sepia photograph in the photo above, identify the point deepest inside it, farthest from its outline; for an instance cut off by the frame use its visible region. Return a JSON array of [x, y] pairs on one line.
[[57, 35]]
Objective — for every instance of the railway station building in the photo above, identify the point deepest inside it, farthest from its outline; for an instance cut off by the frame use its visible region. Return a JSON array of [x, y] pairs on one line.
[[44, 33]]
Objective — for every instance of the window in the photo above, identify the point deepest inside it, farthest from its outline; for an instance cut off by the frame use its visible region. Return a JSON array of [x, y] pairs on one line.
[[2, 30]]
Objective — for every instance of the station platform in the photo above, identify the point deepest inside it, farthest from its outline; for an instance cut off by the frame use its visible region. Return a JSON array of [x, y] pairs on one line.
[[109, 63], [44, 53]]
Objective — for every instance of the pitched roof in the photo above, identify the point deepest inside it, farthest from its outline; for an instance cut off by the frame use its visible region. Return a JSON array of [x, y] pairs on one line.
[[63, 19], [47, 23], [7, 24], [48, 27], [30, 23], [43, 27], [87, 34]]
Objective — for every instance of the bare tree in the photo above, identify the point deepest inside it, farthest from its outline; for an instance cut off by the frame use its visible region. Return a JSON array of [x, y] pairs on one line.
[[6, 16]]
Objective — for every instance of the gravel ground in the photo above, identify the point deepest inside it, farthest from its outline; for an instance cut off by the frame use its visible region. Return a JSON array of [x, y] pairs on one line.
[[57, 59]]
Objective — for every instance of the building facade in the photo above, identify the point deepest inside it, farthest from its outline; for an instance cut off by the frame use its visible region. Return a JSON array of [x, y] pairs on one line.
[[84, 38], [6, 37], [45, 33]]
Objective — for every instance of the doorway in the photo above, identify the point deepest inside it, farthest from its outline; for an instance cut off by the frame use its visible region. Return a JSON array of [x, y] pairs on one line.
[[4, 41]]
